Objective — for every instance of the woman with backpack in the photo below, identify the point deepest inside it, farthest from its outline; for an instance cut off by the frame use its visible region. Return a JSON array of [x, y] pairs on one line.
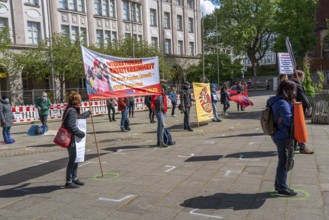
[[282, 110]]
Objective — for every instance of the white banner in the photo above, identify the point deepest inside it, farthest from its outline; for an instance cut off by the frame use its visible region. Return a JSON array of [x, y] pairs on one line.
[[80, 143], [285, 64]]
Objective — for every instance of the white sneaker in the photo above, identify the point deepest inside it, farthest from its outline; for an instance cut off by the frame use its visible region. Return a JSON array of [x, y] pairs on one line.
[[173, 115], [226, 114]]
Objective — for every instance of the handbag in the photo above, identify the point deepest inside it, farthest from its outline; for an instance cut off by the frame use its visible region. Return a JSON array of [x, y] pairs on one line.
[[63, 136]]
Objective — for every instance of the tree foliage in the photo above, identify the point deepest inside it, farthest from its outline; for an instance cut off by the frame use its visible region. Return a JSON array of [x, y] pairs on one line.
[[295, 19], [246, 26]]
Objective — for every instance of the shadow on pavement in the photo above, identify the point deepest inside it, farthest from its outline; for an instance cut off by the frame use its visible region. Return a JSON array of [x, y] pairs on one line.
[[241, 135], [33, 172], [252, 154], [23, 190], [43, 145], [102, 132], [129, 147], [235, 201], [203, 158]]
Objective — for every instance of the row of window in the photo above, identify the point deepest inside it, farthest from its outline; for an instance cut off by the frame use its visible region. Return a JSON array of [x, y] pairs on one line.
[[190, 3], [153, 21], [180, 46]]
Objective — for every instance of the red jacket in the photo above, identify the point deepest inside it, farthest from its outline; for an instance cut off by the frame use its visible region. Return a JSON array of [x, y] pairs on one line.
[[164, 99], [122, 104]]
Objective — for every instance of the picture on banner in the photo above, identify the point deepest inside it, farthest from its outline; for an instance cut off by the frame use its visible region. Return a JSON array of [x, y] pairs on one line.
[[113, 77], [203, 104]]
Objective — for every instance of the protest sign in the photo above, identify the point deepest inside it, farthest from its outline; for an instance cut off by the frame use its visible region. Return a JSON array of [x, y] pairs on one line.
[[203, 104], [80, 143], [285, 64]]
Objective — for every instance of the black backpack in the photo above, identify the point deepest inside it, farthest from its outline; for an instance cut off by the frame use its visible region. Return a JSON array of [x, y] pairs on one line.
[[267, 120]]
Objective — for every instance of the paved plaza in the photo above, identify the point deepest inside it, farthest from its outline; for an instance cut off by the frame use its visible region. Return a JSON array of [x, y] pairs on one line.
[[220, 171]]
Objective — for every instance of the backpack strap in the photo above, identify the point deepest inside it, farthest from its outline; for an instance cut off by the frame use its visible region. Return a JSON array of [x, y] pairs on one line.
[[280, 118]]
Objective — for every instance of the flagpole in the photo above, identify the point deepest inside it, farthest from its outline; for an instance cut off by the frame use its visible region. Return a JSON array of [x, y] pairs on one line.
[[95, 138], [202, 26]]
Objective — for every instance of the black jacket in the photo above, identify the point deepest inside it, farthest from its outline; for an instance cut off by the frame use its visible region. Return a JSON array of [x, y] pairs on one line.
[[71, 114], [301, 96]]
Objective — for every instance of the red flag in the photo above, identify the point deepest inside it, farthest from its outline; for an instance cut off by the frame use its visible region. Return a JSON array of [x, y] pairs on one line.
[[242, 100]]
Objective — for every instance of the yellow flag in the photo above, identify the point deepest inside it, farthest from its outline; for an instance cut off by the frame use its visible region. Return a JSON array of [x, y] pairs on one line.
[[203, 104]]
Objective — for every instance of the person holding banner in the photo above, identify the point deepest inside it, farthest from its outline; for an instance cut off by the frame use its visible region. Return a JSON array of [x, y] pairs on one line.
[[214, 100], [110, 103], [301, 97], [282, 110], [73, 113], [123, 104], [186, 102]]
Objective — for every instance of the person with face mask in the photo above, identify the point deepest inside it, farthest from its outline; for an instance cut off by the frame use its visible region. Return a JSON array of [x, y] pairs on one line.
[[186, 102], [301, 97], [6, 117], [43, 105]]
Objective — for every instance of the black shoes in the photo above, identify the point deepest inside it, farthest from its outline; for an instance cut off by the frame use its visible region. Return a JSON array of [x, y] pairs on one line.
[[71, 186], [163, 145], [190, 129], [78, 182], [287, 192], [123, 130]]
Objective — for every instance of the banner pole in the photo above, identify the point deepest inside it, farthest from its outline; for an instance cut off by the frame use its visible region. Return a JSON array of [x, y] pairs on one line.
[[95, 138]]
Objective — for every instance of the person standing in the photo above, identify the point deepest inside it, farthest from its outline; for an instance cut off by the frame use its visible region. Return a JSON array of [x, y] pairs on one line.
[[186, 102], [131, 106], [43, 105], [224, 99], [301, 97], [159, 104], [239, 90], [111, 108], [173, 99], [123, 104], [6, 117], [72, 113], [282, 110], [214, 100], [147, 102]]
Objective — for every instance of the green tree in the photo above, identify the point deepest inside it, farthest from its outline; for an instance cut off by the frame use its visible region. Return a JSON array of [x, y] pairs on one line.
[[295, 19], [246, 27], [307, 84], [4, 39]]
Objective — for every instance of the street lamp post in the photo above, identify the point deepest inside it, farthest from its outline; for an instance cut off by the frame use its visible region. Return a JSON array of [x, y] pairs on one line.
[[51, 52]]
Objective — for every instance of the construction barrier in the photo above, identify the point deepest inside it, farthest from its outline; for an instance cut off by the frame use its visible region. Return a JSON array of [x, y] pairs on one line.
[[29, 113], [300, 132]]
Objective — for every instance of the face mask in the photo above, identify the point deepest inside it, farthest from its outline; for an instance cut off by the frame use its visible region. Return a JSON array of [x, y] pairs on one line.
[[44, 98], [7, 100]]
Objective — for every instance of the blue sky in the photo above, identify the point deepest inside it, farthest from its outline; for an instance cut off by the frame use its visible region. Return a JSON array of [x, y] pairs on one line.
[[207, 6]]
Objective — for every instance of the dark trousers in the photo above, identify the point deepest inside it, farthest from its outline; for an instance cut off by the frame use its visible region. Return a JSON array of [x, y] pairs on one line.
[[173, 108], [6, 134], [131, 108], [72, 167], [226, 106], [281, 170], [239, 107], [109, 109], [187, 118], [43, 119], [151, 114]]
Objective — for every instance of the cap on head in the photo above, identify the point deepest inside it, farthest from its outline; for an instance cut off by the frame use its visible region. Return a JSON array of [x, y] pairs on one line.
[[212, 85]]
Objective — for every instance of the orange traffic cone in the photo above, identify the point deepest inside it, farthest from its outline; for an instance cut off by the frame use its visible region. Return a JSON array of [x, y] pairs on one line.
[[300, 132]]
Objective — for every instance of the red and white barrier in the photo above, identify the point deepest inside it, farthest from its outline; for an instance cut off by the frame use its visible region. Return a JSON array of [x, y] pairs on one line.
[[29, 113]]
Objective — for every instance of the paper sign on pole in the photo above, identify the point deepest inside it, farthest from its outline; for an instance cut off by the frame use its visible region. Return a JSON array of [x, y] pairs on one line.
[[80, 143], [203, 104], [285, 64], [113, 77]]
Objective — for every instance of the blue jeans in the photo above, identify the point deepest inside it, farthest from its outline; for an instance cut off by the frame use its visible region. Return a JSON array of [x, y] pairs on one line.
[[281, 170], [161, 123], [72, 167], [124, 116], [6, 134], [214, 109]]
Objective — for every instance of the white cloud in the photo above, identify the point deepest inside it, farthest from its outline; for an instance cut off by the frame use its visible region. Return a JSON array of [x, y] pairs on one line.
[[207, 7]]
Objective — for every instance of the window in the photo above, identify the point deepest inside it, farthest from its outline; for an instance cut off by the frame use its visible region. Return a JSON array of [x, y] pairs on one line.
[[138, 13], [114, 36], [99, 39], [167, 46], [167, 20], [179, 2], [127, 35], [74, 33], [153, 17], [3, 23], [33, 29], [107, 38], [190, 25], [83, 36], [191, 48], [63, 4], [72, 5], [190, 4], [65, 31], [81, 6], [167, 0], [179, 23], [140, 37], [97, 7], [105, 5], [154, 41], [180, 47], [112, 9], [126, 11], [32, 2]]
